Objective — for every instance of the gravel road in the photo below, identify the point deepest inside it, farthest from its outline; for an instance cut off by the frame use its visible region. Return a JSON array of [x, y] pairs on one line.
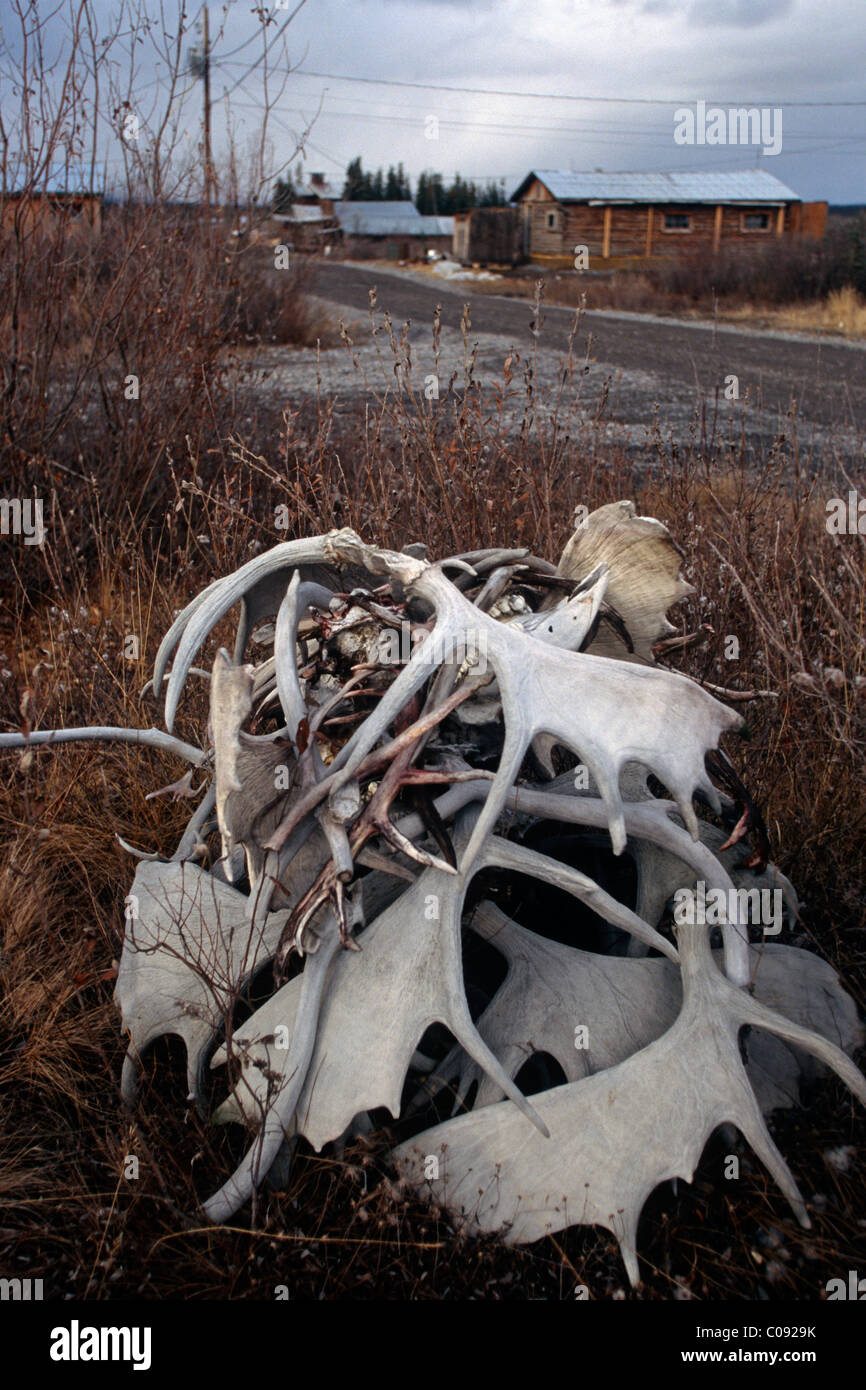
[[646, 367]]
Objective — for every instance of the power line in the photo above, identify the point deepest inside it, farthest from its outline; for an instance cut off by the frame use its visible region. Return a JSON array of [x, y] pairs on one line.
[[453, 119], [337, 163], [591, 134], [557, 96], [603, 134], [300, 5], [246, 43], [446, 123], [514, 178]]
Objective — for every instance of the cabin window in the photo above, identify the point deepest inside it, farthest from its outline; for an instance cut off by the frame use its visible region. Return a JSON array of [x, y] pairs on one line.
[[755, 222], [678, 222], [551, 221]]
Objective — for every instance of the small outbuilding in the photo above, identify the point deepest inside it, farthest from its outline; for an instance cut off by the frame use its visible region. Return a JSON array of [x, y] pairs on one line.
[[308, 227], [394, 229], [310, 223], [620, 217], [61, 202], [488, 236]]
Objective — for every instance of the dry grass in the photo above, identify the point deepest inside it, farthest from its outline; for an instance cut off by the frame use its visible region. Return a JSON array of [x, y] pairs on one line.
[[458, 475], [842, 313], [116, 349]]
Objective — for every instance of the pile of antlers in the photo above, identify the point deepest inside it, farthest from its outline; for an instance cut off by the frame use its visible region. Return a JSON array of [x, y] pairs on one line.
[[420, 740]]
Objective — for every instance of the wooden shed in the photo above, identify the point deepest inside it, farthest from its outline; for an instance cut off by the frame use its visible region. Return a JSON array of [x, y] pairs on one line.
[[488, 236], [60, 203], [308, 227], [626, 217]]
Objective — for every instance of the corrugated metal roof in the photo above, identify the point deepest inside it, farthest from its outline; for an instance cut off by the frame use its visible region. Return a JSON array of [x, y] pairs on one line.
[[389, 218], [720, 186], [359, 225], [365, 213], [437, 226]]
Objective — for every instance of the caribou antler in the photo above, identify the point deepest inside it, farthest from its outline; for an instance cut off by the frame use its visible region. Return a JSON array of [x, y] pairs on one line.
[[324, 760]]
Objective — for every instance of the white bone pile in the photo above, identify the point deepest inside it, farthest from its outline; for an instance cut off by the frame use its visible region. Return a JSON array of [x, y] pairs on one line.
[[372, 781]]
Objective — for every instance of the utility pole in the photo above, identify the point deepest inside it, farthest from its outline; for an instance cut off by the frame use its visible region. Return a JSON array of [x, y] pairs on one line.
[[208, 166], [199, 66]]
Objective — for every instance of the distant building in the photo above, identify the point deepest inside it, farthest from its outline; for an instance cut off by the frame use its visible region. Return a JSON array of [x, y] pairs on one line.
[[395, 230], [62, 200], [621, 217], [311, 224], [318, 191], [308, 227]]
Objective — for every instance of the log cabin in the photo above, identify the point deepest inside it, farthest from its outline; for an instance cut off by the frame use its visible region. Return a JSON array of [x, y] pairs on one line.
[[620, 218]]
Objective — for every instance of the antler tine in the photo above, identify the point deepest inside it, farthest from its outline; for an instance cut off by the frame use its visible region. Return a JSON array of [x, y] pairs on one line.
[[190, 629], [286, 659], [650, 820], [503, 854], [258, 1160], [151, 738]]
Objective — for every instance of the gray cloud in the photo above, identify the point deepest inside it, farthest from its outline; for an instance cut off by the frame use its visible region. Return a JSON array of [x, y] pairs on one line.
[[738, 14]]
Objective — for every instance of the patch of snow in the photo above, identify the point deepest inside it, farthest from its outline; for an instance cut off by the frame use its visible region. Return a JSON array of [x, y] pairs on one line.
[[452, 270]]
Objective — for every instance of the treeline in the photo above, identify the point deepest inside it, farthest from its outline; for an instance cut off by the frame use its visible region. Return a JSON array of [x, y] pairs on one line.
[[433, 195], [361, 185], [286, 191]]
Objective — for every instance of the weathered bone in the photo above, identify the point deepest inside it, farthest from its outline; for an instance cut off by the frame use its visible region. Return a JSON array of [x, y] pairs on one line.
[[643, 566], [608, 695], [189, 945], [551, 990], [149, 738], [621, 1132], [231, 699], [408, 975]]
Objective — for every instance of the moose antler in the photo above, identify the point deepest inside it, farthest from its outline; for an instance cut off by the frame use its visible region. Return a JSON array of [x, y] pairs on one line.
[[622, 1131]]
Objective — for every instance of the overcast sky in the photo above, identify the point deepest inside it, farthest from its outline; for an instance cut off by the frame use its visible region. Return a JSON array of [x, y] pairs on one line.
[[807, 56], [728, 52]]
